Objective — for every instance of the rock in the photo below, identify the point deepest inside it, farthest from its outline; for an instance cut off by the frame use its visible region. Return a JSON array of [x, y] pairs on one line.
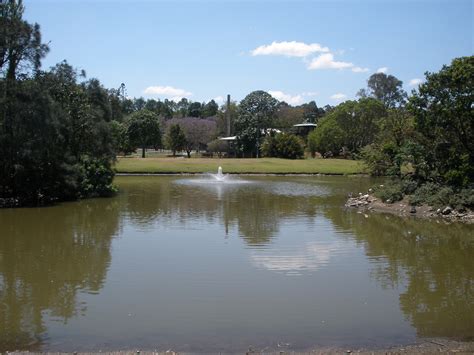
[[438, 211], [388, 201], [447, 210], [413, 209], [370, 190], [365, 197]]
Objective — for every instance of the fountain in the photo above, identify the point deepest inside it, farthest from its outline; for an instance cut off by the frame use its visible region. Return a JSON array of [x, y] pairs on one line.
[[219, 176], [217, 180]]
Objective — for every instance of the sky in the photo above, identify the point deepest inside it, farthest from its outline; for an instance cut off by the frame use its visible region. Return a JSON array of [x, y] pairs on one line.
[[297, 50]]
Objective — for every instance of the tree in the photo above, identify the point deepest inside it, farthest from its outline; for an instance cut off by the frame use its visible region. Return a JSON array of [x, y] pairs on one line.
[[385, 88], [348, 127], [287, 116], [182, 107], [256, 114], [144, 130], [198, 132], [393, 145], [195, 109], [175, 138], [311, 112], [444, 118], [327, 138], [210, 109], [20, 42]]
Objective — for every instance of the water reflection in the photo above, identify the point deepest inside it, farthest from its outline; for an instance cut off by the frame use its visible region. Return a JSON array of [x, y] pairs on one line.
[[432, 260], [200, 288], [47, 256]]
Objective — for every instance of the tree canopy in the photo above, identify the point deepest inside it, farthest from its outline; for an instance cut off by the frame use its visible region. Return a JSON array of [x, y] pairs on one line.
[[256, 113]]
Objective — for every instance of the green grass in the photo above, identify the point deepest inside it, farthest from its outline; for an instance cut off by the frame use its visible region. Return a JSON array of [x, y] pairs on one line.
[[239, 166]]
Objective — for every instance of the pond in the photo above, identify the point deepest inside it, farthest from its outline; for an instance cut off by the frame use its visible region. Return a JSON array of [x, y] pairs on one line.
[[190, 264]]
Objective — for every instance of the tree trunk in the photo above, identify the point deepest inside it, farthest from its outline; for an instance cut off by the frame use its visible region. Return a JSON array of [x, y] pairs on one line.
[[143, 152]]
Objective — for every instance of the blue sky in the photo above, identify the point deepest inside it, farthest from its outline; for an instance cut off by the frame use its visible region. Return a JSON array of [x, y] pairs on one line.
[[298, 50]]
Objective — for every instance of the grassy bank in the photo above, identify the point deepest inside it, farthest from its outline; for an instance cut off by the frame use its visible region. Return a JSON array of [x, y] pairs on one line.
[[239, 166]]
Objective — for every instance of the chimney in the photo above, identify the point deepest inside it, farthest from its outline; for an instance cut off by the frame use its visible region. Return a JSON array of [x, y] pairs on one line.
[[227, 115]]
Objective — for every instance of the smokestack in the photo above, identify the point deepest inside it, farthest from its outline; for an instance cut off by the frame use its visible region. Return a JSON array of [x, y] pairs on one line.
[[227, 115]]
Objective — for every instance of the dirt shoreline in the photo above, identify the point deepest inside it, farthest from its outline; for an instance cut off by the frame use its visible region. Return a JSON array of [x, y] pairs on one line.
[[368, 202], [424, 346]]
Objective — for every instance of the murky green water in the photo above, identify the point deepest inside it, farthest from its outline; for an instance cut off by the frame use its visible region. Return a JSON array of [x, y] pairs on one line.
[[274, 262]]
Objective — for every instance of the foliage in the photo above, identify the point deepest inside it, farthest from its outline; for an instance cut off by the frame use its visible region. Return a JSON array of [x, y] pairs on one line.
[[54, 130], [436, 195], [348, 127], [443, 114], [328, 137], [143, 130], [96, 177], [210, 109], [198, 132], [121, 141], [390, 194], [282, 145], [20, 41], [218, 146], [256, 113], [54, 123], [176, 139], [385, 88]]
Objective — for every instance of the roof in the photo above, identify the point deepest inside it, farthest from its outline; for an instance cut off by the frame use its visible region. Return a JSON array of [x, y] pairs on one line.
[[231, 138], [305, 125]]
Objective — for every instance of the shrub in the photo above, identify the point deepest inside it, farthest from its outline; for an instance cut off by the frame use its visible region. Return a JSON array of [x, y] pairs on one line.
[[437, 196], [287, 146], [390, 193], [97, 177]]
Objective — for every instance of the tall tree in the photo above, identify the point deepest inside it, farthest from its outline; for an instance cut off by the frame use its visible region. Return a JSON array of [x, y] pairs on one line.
[[444, 116], [176, 139], [144, 130], [256, 114], [210, 109], [195, 109], [385, 88]]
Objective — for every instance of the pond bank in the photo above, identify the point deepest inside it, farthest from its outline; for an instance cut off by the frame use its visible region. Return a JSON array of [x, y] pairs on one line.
[[368, 202], [426, 346]]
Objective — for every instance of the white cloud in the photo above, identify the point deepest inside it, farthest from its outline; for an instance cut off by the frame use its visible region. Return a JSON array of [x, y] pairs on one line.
[[382, 70], [338, 97], [219, 99], [326, 61], [289, 99], [167, 91], [360, 70], [415, 82], [310, 93], [289, 49], [292, 99]]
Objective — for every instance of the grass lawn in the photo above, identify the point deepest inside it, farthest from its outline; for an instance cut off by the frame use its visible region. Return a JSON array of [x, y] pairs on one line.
[[242, 166]]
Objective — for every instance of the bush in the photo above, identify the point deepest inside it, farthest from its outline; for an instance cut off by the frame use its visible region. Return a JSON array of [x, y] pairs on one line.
[[287, 146], [390, 193], [97, 177], [435, 195]]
